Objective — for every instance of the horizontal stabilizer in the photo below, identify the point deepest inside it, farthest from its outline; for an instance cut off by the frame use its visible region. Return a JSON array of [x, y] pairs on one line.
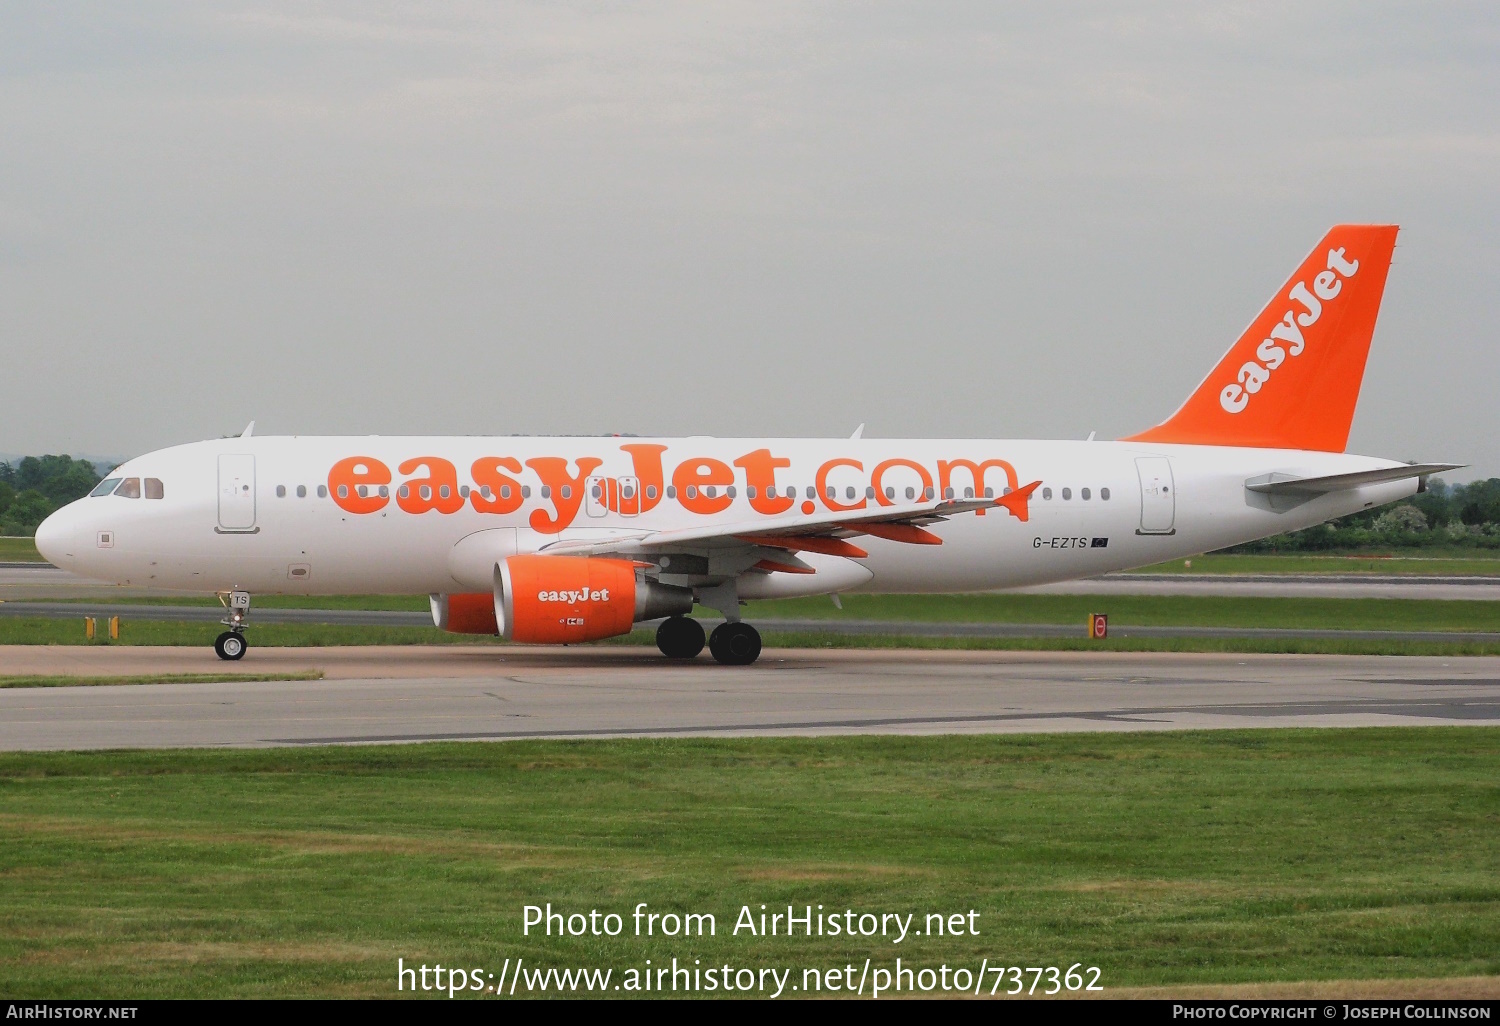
[[1290, 484]]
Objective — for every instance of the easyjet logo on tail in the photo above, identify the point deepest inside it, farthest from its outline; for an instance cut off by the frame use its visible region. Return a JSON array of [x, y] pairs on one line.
[[1291, 380], [1253, 376]]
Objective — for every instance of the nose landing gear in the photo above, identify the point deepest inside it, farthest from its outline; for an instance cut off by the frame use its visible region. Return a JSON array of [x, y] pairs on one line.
[[231, 644]]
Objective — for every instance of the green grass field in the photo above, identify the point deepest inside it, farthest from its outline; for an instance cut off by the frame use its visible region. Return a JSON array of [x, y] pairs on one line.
[[169, 678], [1440, 562], [19, 550], [1164, 859]]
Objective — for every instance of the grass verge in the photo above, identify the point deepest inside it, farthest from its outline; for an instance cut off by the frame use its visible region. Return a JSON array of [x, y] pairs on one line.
[[1452, 562], [19, 550], [161, 678], [1233, 857]]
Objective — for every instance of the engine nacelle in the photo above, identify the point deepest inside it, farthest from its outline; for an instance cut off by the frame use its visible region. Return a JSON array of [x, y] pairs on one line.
[[464, 614], [556, 600]]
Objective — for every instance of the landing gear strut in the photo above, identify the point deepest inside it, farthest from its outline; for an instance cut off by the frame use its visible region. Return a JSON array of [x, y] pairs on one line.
[[679, 637], [735, 643], [231, 644]]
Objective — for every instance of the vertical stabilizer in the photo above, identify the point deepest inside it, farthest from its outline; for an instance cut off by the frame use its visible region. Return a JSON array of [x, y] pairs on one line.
[[1292, 380]]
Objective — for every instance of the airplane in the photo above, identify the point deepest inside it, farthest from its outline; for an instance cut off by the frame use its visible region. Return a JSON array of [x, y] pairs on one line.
[[568, 540]]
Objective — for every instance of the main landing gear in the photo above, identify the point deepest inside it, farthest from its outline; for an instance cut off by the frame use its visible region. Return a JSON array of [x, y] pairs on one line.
[[231, 644], [733, 644]]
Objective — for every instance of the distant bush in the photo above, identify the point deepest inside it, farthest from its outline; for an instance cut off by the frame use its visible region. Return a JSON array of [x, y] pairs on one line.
[[1444, 516], [33, 487]]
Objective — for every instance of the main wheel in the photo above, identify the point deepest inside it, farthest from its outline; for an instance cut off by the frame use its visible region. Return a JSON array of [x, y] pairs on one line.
[[679, 637], [230, 645], [735, 644]]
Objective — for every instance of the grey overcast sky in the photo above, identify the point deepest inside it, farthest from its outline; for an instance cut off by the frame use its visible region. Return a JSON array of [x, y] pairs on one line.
[[943, 219]]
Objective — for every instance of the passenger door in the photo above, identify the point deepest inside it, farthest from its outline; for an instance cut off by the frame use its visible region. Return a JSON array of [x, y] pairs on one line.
[[1158, 495], [237, 493]]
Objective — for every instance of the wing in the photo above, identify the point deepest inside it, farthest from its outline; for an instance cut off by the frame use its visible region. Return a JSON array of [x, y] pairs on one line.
[[826, 532]]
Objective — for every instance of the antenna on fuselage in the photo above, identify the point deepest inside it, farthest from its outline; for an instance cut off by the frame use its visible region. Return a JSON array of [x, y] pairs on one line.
[[858, 432], [249, 430]]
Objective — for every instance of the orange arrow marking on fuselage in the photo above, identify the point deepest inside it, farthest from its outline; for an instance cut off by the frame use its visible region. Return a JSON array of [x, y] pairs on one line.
[[827, 546], [1016, 502], [908, 533]]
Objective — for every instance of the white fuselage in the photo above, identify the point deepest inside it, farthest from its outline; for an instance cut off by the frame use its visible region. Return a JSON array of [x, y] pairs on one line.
[[265, 515]]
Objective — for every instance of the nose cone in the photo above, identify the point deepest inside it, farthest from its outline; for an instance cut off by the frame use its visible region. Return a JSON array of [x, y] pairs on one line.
[[57, 537]]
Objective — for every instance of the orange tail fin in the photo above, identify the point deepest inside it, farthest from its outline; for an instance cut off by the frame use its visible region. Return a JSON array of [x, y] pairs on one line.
[[1292, 379]]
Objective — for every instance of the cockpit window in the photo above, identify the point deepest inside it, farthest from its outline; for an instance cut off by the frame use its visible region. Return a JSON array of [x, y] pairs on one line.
[[130, 488], [154, 489], [106, 486]]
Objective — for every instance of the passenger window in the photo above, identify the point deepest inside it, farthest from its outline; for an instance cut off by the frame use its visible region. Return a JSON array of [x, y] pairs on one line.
[[1046, 493], [710, 491], [771, 492], [1084, 495], [890, 493], [729, 491], [546, 491], [463, 491], [323, 491], [927, 493], [749, 491], [130, 488], [280, 489], [869, 491], [1104, 494], [385, 491], [1067, 493], [425, 491], [526, 491], [402, 492], [968, 493], [947, 493], [364, 491], [567, 491], [989, 493], [302, 491], [651, 491], [444, 492], [849, 492], [344, 490], [831, 492], [692, 491], [671, 491], [106, 486], [911, 493], [812, 493], [154, 489], [596, 492]]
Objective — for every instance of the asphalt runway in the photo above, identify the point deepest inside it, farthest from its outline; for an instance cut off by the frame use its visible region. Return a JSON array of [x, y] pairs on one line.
[[411, 694]]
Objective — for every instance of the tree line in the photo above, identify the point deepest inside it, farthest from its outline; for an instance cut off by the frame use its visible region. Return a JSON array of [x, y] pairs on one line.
[[1444, 516], [31, 488]]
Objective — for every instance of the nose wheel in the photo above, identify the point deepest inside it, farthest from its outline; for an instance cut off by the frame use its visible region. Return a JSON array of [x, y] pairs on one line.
[[231, 645], [735, 643]]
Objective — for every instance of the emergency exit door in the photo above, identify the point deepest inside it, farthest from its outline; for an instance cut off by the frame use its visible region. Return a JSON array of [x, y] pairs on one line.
[[1158, 495], [236, 493]]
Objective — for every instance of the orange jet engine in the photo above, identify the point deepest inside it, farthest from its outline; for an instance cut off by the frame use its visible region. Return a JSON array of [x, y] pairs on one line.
[[561, 600]]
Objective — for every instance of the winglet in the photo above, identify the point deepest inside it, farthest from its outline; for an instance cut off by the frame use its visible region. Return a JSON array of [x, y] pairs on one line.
[[1017, 502]]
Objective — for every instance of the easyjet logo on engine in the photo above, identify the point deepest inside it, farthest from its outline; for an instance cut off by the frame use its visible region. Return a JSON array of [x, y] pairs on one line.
[[1286, 339], [572, 598]]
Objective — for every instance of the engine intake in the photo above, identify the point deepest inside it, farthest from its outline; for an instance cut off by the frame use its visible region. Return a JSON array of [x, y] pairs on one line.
[[554, 600]]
